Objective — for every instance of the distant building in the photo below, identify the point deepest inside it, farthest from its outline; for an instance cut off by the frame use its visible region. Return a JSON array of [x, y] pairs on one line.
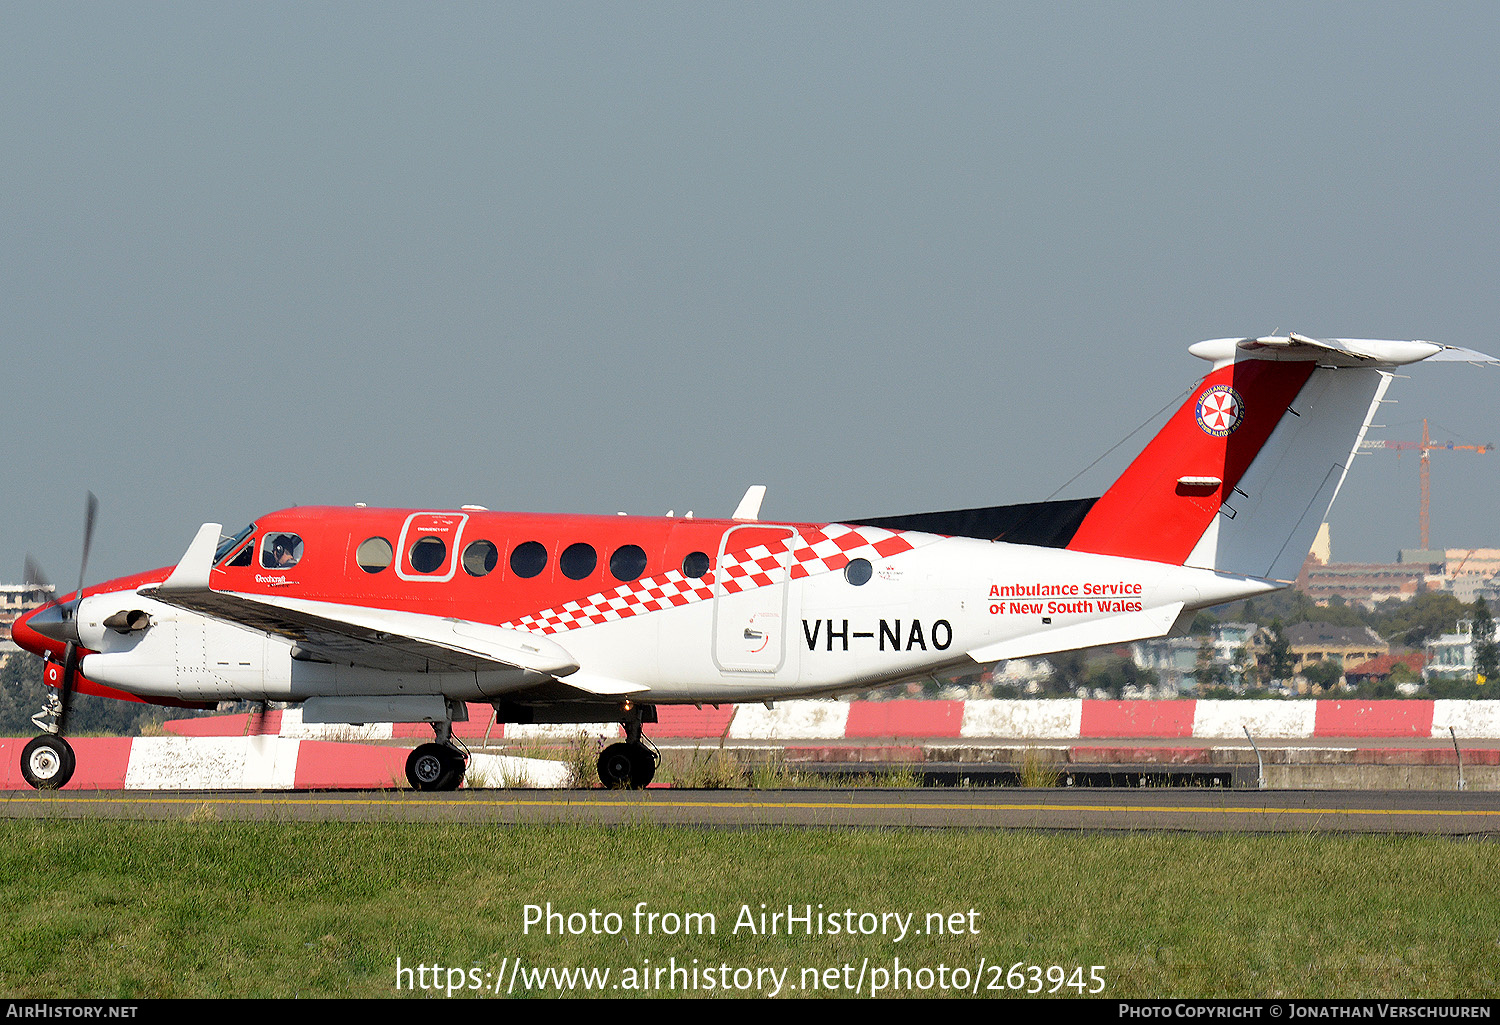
[[1177, 660], [1024, 673], [1365, 583], [1468, 572], [1234, 642], [1451, 655], [1174, 660], [1377, 669], [15, 601], [1318, 642], [1362, 583]]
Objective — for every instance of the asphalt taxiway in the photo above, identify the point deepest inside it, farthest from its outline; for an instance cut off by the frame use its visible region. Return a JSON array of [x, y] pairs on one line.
[[1145, 809]]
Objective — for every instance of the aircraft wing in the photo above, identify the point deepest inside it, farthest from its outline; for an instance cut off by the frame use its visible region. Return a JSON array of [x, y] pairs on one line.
[[355, 635]]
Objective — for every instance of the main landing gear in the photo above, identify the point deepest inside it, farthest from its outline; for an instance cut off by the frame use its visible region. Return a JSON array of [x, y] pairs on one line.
[[631, 765], [437, 766]]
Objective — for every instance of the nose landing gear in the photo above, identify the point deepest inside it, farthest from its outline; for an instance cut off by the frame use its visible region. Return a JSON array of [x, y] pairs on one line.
[[47, 762]]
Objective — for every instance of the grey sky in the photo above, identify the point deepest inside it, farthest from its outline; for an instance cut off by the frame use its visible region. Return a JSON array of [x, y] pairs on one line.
[[589, 258]]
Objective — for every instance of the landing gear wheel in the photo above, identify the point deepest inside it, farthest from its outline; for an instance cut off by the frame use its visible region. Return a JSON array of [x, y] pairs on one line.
[[616, 766], [435, 767], [626, 766], [47, 762], [642, 766]]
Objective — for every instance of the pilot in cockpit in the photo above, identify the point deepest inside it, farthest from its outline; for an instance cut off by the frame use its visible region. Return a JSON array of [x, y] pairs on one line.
[[284, 552]]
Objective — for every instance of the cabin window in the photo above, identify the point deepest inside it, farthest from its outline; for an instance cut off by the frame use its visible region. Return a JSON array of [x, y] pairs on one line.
[[694, 565], [280, 551], [858, 572], [578, 561], [480, 557], [243, 558], [428, 555], [374, 554], [528, 559], [628, 562]]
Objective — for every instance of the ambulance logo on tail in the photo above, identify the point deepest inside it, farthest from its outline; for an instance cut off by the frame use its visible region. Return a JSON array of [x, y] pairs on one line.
[[1220, 411]]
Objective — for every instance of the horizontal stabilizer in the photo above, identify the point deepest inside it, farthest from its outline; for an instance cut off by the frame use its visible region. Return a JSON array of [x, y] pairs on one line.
[[1130, 626], [1336, 352]]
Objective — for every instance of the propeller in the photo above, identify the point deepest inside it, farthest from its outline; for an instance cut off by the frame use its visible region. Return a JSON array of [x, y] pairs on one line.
[[90, 513], [37, 580], [63, 625], [255, 722]]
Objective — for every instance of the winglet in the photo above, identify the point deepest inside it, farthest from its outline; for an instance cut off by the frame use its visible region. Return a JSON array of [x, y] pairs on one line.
[[191, 573], [749, 507]]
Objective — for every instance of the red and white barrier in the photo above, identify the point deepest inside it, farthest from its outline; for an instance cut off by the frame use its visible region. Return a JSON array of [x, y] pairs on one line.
[[277, 751], [1012, 719], [258, 763]]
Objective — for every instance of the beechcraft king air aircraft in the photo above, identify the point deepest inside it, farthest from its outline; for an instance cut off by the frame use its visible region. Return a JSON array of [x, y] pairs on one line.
[[383, 615]]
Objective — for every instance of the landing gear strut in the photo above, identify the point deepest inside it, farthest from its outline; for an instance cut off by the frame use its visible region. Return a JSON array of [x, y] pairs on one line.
[[631, 765], [437, 766], [47, 761]]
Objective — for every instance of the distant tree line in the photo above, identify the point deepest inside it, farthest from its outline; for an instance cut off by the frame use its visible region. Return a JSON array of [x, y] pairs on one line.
[[1409, 623], [23, 694]]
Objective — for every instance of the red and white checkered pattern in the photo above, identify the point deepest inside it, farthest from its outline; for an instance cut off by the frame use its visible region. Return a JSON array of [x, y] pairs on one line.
[[813, 550]]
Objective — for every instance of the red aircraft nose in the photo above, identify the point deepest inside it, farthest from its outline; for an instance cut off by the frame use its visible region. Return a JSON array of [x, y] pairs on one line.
[[26, 636]]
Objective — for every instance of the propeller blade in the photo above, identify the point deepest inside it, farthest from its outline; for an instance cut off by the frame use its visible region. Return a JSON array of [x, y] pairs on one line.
[[91, 511], [36, 579], [70, 669]]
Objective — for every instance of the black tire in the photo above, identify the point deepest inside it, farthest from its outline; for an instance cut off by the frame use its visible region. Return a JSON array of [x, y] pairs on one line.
[[642, 766], [617, 767], [457, 766], [434, 767], [47, 762]]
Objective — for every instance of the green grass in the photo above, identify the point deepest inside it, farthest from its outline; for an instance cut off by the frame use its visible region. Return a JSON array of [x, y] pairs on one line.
[[134, 910], [711, 768]]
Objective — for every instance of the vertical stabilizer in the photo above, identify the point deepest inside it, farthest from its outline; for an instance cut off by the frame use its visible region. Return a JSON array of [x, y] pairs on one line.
[[1242, 475], [1170, 495]]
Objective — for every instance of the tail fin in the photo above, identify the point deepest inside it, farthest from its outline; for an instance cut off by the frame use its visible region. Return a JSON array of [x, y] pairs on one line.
[[1241, 476]]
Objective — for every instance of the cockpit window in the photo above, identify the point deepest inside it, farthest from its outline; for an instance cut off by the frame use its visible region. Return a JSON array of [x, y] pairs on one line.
[[228, 544], [280, 551]]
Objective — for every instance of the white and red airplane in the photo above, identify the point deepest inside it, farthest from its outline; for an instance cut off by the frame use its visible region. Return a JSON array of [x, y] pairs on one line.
[[383, 615]]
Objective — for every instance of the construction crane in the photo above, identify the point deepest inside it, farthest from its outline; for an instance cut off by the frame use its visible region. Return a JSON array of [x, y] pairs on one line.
[[1426, 446]]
